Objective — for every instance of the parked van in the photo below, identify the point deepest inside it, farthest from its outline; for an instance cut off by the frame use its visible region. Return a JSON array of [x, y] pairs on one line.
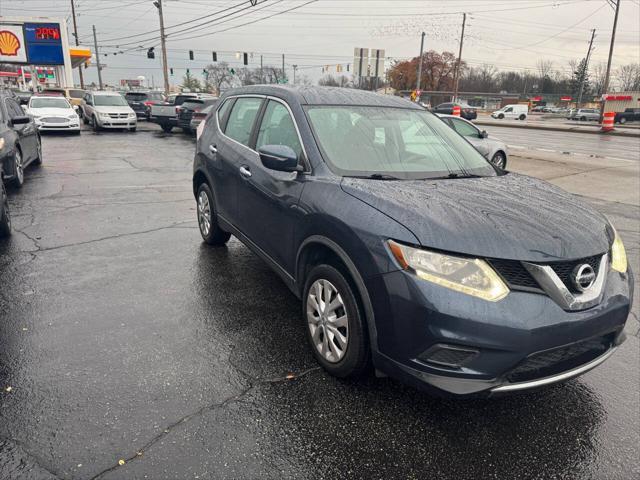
[[517, 111]]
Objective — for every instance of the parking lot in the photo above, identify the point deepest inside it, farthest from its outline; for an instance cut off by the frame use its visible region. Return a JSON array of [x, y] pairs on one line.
[[130, 349]]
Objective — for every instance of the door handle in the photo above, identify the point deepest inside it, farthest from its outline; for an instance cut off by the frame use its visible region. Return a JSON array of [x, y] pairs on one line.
[[213, 149], [245, 172]]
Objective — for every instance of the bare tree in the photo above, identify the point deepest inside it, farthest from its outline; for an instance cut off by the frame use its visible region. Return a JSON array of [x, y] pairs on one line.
[[629, 77], [334, 81], [544, 68], [273, 74], [217, 77], [248, 76], [597, 77]]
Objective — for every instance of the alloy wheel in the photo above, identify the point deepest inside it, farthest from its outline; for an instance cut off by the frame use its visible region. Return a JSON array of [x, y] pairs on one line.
[[19, 167], [204, 213], [327, 320], [498, 160]]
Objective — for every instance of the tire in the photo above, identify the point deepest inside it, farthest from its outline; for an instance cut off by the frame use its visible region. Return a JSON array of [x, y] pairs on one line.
[[5, 218], [349, 357], [166, 128], [583, 119], [499, 159], [207, 223], [187, 130], [96, 126], [18, 169], [38, 160], [522, 117], [85, 120], [500, 116], [622, 120], [133, 129]]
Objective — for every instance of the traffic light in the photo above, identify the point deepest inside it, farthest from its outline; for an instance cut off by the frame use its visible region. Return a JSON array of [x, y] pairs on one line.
[[245, 58], [347, 67], [190, 54], [151, 53], [171, 70], [215, 56], [187, 71]]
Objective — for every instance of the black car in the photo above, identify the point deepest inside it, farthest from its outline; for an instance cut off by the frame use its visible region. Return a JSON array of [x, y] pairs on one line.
[[19, 140], [467, 112], [629, 115], [188, 108], [410, 251], [141, 102]]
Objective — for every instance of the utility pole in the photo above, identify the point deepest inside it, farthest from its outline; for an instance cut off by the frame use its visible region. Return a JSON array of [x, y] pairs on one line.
[[163, 42], [95, 43], [75, 34], [420, 62], [586, 69], [284, 75], [457, 74], [613, 39]]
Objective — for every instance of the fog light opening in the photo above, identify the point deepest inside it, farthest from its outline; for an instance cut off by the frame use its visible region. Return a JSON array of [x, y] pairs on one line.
[[448, 355]]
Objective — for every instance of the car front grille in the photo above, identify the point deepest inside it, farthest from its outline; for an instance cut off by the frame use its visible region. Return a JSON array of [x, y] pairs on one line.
[[558, 360], [54, 120], [519, 278], [118, 115]]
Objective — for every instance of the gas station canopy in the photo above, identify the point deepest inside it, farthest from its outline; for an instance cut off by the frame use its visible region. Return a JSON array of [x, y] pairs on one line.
[[79, 56]]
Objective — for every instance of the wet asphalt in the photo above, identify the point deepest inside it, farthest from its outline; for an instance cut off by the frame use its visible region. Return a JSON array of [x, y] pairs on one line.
[[124, 338]]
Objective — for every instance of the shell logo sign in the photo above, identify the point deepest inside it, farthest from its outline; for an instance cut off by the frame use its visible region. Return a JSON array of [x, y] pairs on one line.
[[12, 46], [9, 43]]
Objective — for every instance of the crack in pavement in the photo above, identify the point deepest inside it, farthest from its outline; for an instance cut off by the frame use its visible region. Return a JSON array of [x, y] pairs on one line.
[[206, 408]]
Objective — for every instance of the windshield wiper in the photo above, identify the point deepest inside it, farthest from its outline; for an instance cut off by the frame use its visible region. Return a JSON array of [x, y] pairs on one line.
[[456, 175], [375, 176]]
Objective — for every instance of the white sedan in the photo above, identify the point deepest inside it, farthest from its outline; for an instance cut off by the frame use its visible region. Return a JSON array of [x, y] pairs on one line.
[[53, 113]]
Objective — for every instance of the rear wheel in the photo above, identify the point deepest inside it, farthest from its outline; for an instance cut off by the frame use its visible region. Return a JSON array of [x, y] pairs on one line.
[[522, 116], [336, 327], [166, 128], [623, 120], [207, 221], [18, 169], [583, 119]]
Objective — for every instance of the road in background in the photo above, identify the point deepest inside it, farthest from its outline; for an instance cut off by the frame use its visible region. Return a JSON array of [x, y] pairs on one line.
[[627, 148]]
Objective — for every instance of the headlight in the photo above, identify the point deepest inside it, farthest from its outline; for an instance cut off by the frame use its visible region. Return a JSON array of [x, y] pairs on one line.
[[73, 117], [618, 254], [132, 115], [104, 115], [471, 276]]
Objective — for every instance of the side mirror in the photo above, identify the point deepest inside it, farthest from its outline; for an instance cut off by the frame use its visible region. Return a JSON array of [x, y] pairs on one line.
[[76, 107], [20, 120], [280, 158], [483, 134], [24, 108]]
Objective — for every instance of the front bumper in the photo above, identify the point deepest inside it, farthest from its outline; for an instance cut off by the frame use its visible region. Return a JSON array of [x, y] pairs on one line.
[[59, 127], [117, 122], [413, 316]]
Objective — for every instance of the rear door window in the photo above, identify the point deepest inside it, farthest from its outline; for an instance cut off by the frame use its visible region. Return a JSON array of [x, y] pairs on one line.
[[241, 119]]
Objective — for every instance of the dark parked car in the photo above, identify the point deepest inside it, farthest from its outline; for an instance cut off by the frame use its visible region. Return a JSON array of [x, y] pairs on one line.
[[141, 102], [629, 115], [5, 218], [19, 140], [199, 117], [410, 251], [188, 108], [467, 112]]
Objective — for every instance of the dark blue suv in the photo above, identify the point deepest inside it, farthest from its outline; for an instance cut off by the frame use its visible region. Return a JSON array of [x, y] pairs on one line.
[[410, 252]]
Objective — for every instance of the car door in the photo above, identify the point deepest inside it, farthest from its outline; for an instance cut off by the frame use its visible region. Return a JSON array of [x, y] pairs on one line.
[[88, 106], [265, 196], [27, 132], [471, 133], [226, 146]]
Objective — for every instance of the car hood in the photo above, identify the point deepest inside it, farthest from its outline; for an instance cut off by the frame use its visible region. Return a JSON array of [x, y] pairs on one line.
[[51, 112], [510, 216], [114, 109]]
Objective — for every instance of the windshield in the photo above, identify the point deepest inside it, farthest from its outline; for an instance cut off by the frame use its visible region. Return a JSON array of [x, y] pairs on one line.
[[136, 96], [76, 93], [110, 101], [50, 102], [392, 142]]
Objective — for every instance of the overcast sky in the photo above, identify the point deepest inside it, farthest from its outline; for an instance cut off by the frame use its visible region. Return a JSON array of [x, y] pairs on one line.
[[510, 34]]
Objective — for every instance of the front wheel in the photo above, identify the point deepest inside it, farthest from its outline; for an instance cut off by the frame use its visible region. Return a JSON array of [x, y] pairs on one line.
[[132, 129], [336, 327], [5, 218], [38, 160], [500, 116], [623, 120], [522, 116], [96, 125], [499, 159], [207, 222]]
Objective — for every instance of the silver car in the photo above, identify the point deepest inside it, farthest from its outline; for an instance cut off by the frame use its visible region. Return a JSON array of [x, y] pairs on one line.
[[585, 114], [493, 149], [108, 110]]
